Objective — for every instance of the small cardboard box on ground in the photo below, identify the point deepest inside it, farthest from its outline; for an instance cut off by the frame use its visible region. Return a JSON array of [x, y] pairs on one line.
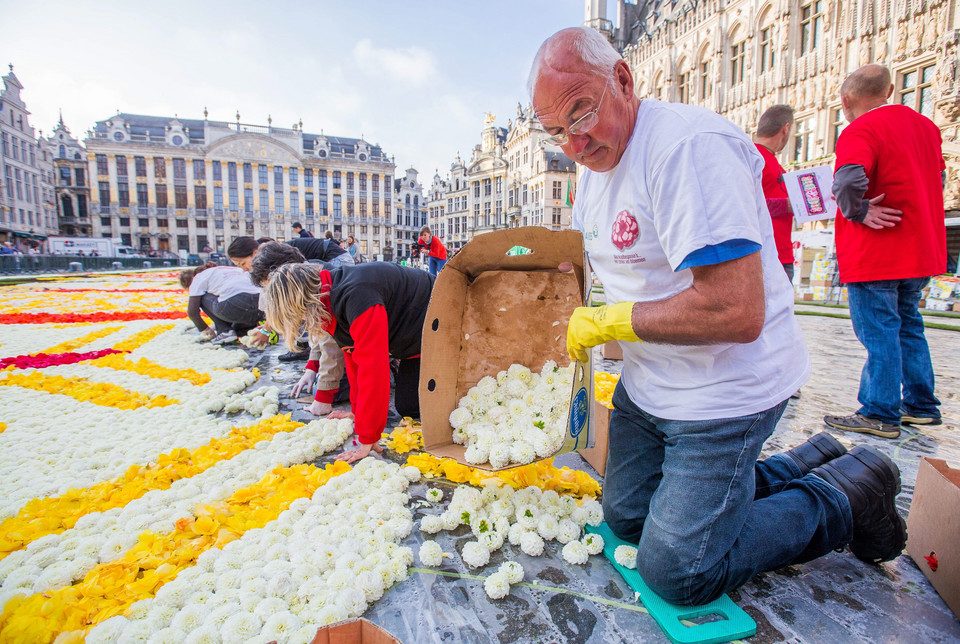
[[597, 455], [491, 309], [933, 528], [354, 631]]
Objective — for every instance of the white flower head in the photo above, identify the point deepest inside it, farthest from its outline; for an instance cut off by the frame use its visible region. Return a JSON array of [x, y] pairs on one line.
[[548, 527], [512, 570], [593, 543], [459, 417], [475, 554], [431, 554], [626, 556], [575, 553], [279, 627], [431, 524], [532, 544], [568, 531], [497, 586], [434, 495], [240, 627]]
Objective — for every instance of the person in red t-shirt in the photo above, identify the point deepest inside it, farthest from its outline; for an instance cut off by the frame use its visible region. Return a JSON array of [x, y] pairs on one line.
[[891, 237], [773, 132], [437, 252]]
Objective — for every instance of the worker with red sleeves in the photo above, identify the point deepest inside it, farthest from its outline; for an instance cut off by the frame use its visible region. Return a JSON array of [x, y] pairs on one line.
[[375, 312]]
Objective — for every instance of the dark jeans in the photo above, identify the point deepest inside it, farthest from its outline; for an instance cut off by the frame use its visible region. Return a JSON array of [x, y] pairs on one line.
[[706, 514], [435, 264], [239, 312], [406, 395], [898, 375], [789, 269]]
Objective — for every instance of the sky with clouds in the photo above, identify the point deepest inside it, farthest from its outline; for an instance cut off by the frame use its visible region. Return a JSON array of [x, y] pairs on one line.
[[416, 77]]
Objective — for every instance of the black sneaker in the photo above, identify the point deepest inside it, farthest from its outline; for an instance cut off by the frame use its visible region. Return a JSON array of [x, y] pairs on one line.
[[290, 356], [863, 425], [906, 419], [871, 483], [815, 452]]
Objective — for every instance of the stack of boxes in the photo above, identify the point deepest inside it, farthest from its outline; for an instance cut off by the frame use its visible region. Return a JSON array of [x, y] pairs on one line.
[[824, 283], [942, 294]]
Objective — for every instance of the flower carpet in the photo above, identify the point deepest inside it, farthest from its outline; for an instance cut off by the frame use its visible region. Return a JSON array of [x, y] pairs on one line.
[[151, 490]]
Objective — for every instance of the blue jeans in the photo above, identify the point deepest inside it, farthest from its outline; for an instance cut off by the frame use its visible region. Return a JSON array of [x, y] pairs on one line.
[[436, 264], [898, 374], [706, 514]]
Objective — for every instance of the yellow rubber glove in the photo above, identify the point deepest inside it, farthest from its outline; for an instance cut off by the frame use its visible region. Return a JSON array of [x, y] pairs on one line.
[[593, 325]]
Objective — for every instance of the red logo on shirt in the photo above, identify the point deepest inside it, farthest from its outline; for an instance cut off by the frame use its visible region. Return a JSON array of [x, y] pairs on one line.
[[626, 230]]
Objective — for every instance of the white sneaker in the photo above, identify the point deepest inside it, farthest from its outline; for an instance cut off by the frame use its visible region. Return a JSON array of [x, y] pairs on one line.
[[225, 338]]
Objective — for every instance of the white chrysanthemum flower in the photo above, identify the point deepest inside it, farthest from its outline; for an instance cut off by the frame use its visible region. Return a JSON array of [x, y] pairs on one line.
[[279, 627], [568, 531], [139, 610], [476, 454], [532, 544], [220, 614], [411, 473], [108, 631], [330, 614], [499, 455], [517, 408], [527, 515], [431, 554], [240, 627], [515, 534], [626, 556], [269, 606], [594, 512], [207, 634], [544, 446], [492, 540], [450, 520], [575, 553], [522, 452], [487, 385], [371, 585], [512, 570], [548, 527], [431, 524], [467, 498], [516, 388], [352, 601], [434, 495], [475, 554], [593, 543], [460, 437], [567, 505], [460, 417], [497, 586]]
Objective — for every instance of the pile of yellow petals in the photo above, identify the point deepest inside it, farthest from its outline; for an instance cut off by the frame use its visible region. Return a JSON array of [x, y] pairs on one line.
[[3, 426], [149, 368], [52, 515], [603, 386], [406, 437], [137, 340], [73, 345], [98, 393], [109, 589], [542, 474]]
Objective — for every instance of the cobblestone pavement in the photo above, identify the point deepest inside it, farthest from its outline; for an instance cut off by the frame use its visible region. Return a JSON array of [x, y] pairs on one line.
[[835, 599]]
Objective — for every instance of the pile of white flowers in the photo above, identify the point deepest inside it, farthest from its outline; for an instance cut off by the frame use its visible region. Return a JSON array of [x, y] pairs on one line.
[[498, 584], [56, 560], [261, 402], [516, 417], [323, 560], [526, 518]]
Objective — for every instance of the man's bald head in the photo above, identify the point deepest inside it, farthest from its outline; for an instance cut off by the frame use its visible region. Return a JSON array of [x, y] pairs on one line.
[[574, 50], [870, 81]]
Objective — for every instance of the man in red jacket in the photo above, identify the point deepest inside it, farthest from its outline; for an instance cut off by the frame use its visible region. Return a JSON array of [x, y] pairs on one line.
[[890, 239], [437, 252], [773, 132]]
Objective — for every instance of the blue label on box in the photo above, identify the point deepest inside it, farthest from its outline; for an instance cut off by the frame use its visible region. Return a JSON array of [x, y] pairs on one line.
[[578, 413]]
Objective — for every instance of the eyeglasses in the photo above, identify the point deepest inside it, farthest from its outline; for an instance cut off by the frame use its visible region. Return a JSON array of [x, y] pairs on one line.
[[581, 126]]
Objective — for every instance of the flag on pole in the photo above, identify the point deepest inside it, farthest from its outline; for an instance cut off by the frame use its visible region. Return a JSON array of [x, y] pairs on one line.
[[569, 193]]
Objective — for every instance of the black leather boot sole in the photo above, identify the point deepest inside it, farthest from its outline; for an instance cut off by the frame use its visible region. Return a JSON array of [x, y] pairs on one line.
[[871, 482], [818, 450], [291, 356]]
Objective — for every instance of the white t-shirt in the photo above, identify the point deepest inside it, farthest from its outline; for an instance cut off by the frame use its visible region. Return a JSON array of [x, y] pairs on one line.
[[688, 179], [223, 281]]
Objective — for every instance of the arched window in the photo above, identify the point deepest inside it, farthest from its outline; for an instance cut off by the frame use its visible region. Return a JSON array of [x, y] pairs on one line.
[[658, 92], [63, 152], [684, 81], [766, 53], [737, 55], [704, 73]]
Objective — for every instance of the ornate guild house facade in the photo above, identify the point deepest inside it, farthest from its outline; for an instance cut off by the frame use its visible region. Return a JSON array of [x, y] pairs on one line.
[[172, 184], [739, 57]]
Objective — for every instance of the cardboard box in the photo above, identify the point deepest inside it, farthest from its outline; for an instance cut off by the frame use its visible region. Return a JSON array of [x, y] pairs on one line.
[[933, 528], [956, 306], [597, 455], [612, 350], [489, 310], [806, 297], [354, 631]]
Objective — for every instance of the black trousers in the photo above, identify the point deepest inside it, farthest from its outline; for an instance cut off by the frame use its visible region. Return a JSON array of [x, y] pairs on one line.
[[239, 312], [406, 396]]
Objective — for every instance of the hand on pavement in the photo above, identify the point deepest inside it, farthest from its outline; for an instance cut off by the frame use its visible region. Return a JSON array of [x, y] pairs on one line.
[[207, 334], [593, 325], [338, 414], [318, 408], [305, 384], [258, 339], [879, 217], [363, 451]]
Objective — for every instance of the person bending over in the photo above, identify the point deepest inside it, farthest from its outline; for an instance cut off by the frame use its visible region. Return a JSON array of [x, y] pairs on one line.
[[226, 295]]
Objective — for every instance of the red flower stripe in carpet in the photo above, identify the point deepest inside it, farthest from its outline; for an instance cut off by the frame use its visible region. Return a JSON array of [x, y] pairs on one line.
[[70, 318], [41, 360]]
